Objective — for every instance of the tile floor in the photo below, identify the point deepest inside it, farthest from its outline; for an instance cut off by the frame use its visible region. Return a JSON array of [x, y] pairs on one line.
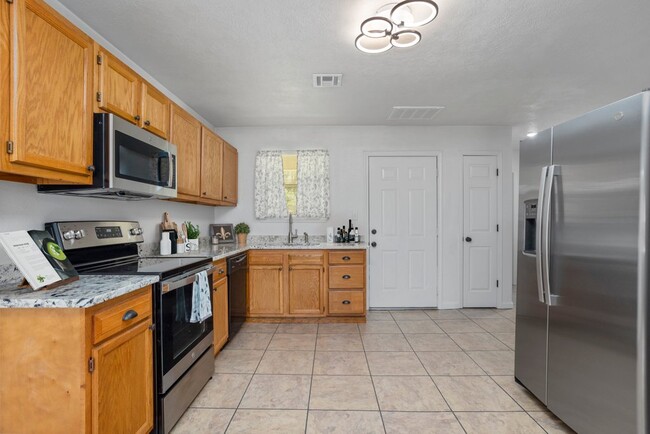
[[415, 371]]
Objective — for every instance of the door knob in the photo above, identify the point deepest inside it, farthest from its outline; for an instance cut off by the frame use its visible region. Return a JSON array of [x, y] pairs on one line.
[[373, 244], [468, 239], [374, 231]]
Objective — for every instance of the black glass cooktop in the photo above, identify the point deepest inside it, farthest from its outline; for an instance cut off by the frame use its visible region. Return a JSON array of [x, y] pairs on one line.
[[163, 267]]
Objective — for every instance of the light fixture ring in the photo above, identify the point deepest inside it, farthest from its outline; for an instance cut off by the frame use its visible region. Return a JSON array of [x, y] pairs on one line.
[[414, 5], [370, 45], [412, 37], [376, 27]]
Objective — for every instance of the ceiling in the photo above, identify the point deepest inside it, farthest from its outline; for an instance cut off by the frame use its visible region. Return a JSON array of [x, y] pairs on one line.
[[502, 62]]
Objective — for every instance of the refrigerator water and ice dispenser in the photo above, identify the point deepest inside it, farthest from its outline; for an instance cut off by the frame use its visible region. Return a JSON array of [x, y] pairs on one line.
[[530, 226]]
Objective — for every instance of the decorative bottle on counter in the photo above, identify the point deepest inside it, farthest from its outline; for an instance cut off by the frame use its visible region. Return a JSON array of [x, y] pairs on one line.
[[165, 244], [357, 238]]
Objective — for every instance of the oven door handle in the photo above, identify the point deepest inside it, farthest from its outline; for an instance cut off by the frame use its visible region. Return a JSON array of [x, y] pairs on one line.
[[171, 285]]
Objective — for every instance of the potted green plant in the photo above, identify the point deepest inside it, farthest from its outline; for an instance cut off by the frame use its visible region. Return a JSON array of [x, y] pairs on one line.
[[193, 233], [242, 230]]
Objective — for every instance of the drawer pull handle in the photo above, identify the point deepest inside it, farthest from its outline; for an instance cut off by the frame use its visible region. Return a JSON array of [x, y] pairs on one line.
[[346, 276], [346, 302], [346, 258], [129, 315], [221, 271]]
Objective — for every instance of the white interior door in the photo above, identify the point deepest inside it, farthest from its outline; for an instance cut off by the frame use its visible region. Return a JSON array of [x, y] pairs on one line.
[[403, 232], [480, 258]]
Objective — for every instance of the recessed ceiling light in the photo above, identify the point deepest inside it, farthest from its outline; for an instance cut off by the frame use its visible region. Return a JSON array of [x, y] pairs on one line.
[[532, 134]]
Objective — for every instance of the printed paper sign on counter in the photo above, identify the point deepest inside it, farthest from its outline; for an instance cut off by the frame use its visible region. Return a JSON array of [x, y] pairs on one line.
[[37, 256]]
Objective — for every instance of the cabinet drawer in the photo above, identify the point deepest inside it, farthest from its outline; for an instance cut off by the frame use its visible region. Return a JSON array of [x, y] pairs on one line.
[[306, 258], [346, 302], [220, 273], [265, 258], [347, 276], [121, 316], [347, 257]]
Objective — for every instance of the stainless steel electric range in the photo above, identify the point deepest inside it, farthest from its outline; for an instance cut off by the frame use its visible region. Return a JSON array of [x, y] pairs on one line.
[[184, 359]]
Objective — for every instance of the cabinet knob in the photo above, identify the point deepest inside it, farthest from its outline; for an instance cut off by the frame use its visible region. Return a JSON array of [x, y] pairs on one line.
[[221, 271], [346, 276], [137, 117], [346, 302], [147, 123], [91, 168], [129, 315]]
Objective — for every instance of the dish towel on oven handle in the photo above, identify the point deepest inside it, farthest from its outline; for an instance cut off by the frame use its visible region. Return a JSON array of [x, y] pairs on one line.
[[201, 303]]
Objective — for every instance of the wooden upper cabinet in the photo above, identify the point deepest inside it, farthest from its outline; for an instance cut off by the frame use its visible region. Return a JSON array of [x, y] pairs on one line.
[[155, 111], [118, 87], [186, 135], [211, 164], [230, 162], [51, 110]]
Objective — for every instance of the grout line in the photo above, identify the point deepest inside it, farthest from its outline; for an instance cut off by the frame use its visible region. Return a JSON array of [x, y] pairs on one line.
[[311, 380], [374, 389]]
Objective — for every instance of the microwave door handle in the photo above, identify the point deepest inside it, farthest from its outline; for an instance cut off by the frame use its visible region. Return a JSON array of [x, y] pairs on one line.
[[171, 170], [553, 172], [538, 235]]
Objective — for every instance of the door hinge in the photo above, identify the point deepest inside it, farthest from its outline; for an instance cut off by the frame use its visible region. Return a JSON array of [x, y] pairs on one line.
[[497, 172], [497, 283], [99, 59], [99, 97], [152, 327], [91, 364], [497, 228], [10, 147]]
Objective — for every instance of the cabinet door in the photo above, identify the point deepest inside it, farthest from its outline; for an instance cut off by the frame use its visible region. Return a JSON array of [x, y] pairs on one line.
[[306, 286], [229, 173], [211, 164], [220, 313], [186, 135], [50, 114], [118, 88], [265, 290], [155, 111], [122, 383]]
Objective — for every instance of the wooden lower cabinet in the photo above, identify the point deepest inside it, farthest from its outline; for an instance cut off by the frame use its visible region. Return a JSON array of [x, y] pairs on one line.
[[220, 306], [59, 375], [306, 283], [265, 290]]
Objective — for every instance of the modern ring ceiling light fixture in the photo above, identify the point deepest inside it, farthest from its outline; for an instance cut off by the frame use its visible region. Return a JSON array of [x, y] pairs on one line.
[[394, 26]]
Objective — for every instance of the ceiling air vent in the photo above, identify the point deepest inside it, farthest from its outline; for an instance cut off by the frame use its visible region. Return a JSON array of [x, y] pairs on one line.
[[414, 113], [327, 80]]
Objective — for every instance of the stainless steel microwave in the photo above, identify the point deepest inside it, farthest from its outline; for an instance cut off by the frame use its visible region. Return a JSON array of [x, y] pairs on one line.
[[129, 164]]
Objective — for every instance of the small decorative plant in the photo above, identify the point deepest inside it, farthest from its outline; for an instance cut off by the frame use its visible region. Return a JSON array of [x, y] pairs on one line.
[[193, 231], [242, 228]]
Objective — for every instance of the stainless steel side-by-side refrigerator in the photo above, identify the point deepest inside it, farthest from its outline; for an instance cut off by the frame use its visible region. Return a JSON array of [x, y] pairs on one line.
[[582, 299]]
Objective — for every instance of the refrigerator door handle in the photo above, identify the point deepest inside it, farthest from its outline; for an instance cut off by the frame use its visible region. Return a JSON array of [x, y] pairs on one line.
[[538, 236], [552, 172]]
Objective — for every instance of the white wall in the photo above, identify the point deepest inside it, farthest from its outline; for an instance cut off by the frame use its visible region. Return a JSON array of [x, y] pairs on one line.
[[348, 195], [21, 207]]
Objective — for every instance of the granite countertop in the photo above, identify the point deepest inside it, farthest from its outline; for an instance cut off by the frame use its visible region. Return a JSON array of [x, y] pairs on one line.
[[85, 292], [224, 250]]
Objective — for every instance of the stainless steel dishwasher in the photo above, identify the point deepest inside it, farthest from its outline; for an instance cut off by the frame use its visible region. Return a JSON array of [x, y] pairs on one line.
[[237, 281]]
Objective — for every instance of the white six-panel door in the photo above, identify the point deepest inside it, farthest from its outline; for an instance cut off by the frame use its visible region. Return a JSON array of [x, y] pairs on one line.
[[480, 236], [403, 216]]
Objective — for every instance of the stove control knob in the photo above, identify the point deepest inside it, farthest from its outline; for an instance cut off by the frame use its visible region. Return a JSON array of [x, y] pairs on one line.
[[68, 235], [136, 231], [79, 234]]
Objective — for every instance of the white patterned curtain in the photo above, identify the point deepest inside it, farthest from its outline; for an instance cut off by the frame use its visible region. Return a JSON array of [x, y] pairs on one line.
[[313, 198], [270, 199]]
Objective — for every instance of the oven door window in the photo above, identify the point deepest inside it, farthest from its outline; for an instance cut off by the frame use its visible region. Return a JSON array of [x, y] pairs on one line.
[[178, 334], [138, 161]]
